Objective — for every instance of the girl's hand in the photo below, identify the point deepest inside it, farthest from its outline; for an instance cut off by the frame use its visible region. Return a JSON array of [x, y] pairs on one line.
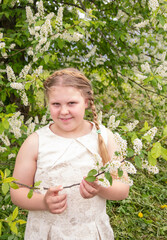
[[89, 189], [54, 202]]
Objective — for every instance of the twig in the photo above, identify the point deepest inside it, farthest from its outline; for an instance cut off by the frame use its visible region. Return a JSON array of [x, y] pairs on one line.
[[45, 188]]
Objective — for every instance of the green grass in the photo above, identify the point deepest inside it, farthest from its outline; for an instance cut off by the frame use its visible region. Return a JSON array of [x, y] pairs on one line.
[[147, 195]]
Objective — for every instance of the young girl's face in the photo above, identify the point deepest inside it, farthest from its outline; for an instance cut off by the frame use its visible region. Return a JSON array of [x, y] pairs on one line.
[[67, 108]]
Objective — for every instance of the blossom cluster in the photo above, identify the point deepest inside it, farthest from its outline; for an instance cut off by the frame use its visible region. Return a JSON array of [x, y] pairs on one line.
[[150, 168], [122, 143], [112, 124], [15, 123], [153, 5], [151, 132], [137, 146], [130, 126]]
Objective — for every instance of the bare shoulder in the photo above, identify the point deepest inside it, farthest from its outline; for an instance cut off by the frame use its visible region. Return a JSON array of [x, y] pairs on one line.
[[25, 165], [30, 144]]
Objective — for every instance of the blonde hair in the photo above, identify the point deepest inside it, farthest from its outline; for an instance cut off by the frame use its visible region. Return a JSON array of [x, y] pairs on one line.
[[71, 77]]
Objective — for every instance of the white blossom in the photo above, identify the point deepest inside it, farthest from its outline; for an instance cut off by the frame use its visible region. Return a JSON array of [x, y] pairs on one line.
[[18, 86], [29, 14], [137, 145], [31, 128], [92, 52], [5, 139], [50, 15], [132, 125], [10, 73], [146, 67], [12, 155], [112, 124], [113, 166], [2, 45], [59, 18], [151, 132], [30, 51], [40, 8], [24, 98], [128, 167], [25, 71], [153, 4], [43, 121], [105, 182], [2, 149], [36, 120], [1, 35], [4, 55], [142, 24], [152, 169], [38, 71], [29, 121], [15, 124], [122, 143], [12, 46]]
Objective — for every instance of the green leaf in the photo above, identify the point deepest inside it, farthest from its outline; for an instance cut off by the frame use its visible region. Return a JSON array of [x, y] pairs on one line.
[[138, 162], [14, 185], [145, 128], [148, 138], [130, 152], [152, 161], [5, 123], [2, 174], [92, 172], [60, 43], [164, 153], [90, 179], [80, 29], [5, 188], [108, 177], [21, 221], [156, 150], [46, 58], [120, 172], [8, 180], [124, 128], [165, 131], [28, 85], [30, 193], [15, 213], [7, 172], [37, 183], [13, 227]]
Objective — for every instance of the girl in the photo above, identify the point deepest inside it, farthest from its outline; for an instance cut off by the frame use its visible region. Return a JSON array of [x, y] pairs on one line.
[[61, 154]]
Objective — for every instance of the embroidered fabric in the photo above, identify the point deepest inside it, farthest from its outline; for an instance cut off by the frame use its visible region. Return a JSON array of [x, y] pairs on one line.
[[65, 161]]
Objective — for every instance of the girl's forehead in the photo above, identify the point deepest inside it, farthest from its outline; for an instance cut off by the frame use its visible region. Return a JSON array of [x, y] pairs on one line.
[[64, 91]]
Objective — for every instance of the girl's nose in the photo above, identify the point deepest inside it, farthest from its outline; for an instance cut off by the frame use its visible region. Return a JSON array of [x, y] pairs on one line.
[[64, 110]]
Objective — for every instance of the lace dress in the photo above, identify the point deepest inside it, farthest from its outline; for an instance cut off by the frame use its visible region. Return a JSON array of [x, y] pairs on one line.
[[65, 161]]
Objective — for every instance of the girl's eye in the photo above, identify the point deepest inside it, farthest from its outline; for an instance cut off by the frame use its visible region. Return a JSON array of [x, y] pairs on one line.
[[56, 104], [72, 103]]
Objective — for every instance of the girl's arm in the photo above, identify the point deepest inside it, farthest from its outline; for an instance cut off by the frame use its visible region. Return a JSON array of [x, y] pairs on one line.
[[118, 190], [24, 172]]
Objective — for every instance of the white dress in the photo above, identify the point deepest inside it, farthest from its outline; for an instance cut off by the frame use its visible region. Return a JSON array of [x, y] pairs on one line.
[[65, 161]]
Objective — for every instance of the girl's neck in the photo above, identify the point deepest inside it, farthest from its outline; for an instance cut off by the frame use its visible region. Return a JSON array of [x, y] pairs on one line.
[[85, 129]]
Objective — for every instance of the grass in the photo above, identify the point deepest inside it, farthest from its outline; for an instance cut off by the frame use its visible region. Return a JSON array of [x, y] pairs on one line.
[[147, 195]]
